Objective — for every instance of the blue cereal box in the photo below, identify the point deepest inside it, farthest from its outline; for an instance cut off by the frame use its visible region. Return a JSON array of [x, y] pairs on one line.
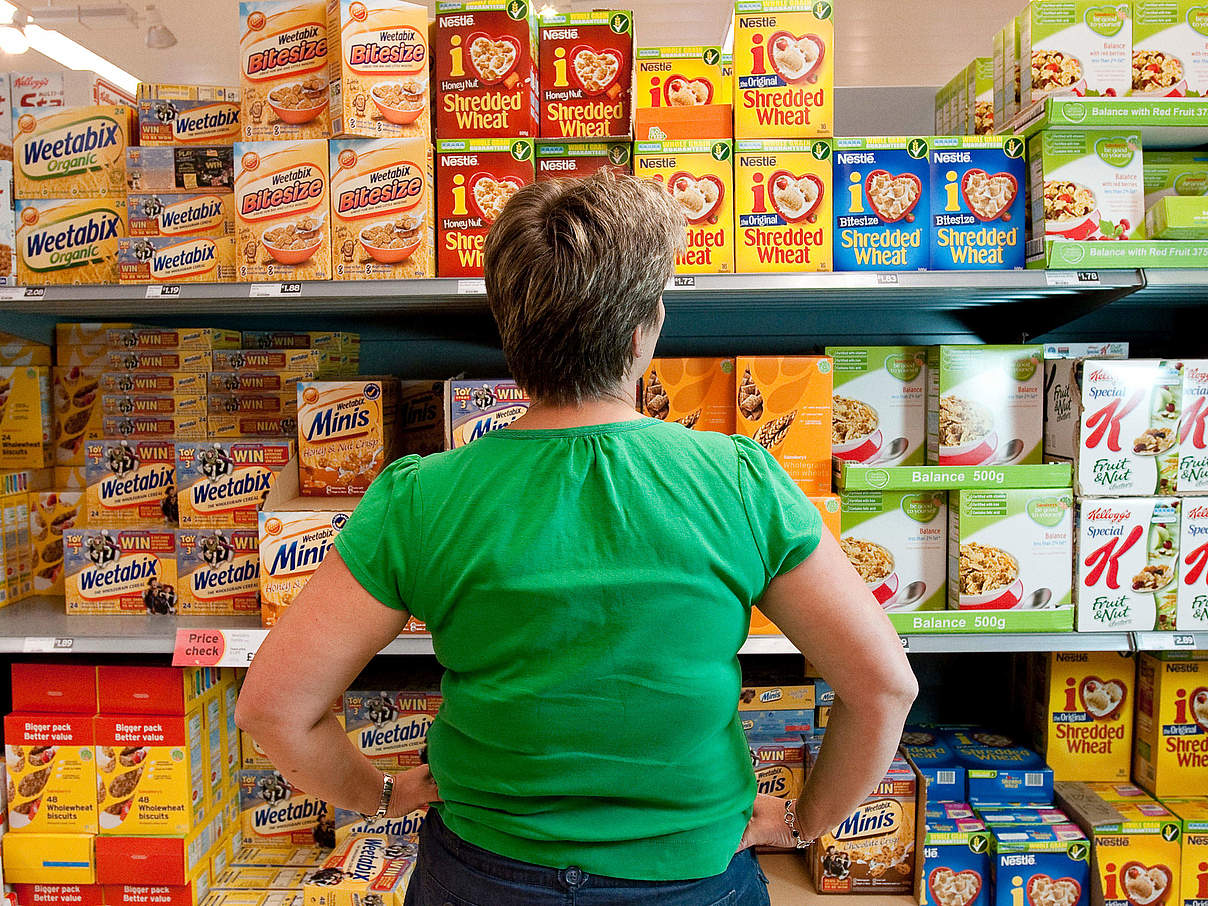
[[956, 860], [1040, 866], [937, 762], [977, 202], [999, 770], [881, 189]]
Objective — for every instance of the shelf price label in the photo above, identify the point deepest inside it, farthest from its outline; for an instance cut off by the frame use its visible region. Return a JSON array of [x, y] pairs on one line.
[[47, 645], [163, 291], [471, 287], [17, 293], [269, 290], [216, 647]]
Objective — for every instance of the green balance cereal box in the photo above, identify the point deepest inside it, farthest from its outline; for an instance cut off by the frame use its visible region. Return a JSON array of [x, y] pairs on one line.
[[1170, 48], [897, 542], [881, 204], [1086, 185], [977, 202], [1075, 47], [979, 89], [1178, 219], [1180, 173], [879, 407]]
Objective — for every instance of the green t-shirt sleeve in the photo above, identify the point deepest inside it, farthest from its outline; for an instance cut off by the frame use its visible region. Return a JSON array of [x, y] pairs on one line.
[[383, 540], [785, 524]]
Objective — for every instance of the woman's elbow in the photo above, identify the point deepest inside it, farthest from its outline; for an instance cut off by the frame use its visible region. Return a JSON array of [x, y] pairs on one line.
[[252, 713]]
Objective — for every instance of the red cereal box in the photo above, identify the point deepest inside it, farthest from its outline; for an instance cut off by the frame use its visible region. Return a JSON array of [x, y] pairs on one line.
[[576, 159], [474, 180], [586, 66]]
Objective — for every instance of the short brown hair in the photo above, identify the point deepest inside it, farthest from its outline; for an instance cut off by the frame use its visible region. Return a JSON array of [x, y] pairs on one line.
[[572, 267]]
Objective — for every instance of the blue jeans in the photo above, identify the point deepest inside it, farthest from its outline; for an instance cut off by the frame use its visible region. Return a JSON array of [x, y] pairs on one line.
[[452, 872]]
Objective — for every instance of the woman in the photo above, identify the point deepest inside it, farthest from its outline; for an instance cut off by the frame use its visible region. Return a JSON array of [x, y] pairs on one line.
[[587, 575]]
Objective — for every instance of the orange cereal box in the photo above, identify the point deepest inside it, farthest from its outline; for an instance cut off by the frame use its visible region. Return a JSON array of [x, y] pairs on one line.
[[475, 178], [129, 483], [699, 175], [784, 404], [73, 152], [830, 508], [381, 209], [697, 393], [283, 69], [346, 434], [782, 200], [119, 571], [378, 68], [292, 545], [485, 68], [218, 571], [572, 160], [784, 69], [281, 210], [586, 67], [680, 94]]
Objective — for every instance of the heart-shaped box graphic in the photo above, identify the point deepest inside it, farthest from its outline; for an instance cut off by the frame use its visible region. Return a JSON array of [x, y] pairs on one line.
[[1040, 893], [701, 90], [973, 180], [951, 881], [908, 179], [683, 187], [1197, 702], [1146, 885], [478, 181], [1102, 699], [784, 186], [785, 49], [583, 54], [501, 45]]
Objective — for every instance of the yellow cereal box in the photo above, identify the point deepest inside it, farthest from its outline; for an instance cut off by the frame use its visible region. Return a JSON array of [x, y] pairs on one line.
[[365, 868], [77, 412], [784, 69], [202, 338], [273, 812], [699, 175], [680, 94], [697, 393], [782, 205], [51, 771], [283, 69], [93, 333], [187, 115], [346, 434], [49, 859], [129, 482], [160, 360], [378, 63], [1171, 751], [382, 209], [218, 571], [119, 571], [25, 417], [1082, 714], [292, 545], [51, 513], [1193, 873], [72, 152], [281, 210], [69, 241], [222, 485], [19, 351]]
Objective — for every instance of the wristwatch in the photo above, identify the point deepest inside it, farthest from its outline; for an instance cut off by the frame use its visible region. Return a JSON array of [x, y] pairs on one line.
[[384, 801]]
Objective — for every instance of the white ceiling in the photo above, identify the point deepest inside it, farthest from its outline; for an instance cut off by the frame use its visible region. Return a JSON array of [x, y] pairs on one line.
[[878, 42]]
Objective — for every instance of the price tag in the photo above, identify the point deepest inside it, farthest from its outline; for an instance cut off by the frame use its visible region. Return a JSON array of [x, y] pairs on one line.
[[1182, 640], [17, 293], [163, 291], [1088, 276], [887, 279], [1061, 278], [471, 287], [216, 647], [905, 643], [267, 290], [47, 645], [683, 281]]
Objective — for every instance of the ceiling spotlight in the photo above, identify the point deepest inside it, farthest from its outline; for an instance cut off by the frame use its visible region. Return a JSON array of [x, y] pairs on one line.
[[13, 41], [159, 36]]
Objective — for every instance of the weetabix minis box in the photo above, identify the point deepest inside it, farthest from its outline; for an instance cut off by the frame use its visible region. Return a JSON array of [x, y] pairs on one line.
[[74, 152], [51, 773], [390, 727], [1080, 47], [697, 393], [119, 571], [273, 812], [784, 404], [879, 407], [200, 259], [180, 169], [181, 214], [1171, 751], [218, 571], [586, 74], [779, 764], [346, 434], [382, 200], [573, 160], [128, 483], [1191, 609], [378, 68], [221, 486], [897, 542], [782, 205], [699, 175], [881, 204], [283, 70], [51, 513], [292, 545], [25, 417], [681, 93], [187, 114], [1193, 818], [475, 178], [784, 69], [69, 241], [977, 202]]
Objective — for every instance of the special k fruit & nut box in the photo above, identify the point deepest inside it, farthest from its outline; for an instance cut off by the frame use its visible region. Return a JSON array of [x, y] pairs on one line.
[[586, 74], [881, 204], [699, 175], [1171, 753], [1192, 607], [697, 393], [782, 205], [283, 50], [784, 404]]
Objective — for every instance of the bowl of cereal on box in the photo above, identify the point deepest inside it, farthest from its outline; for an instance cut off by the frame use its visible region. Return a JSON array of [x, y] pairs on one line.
[[966, 432], [400, 102], [293, 243], [1070, 210], [299, 102], [393, 242], [1158, 74], [855, 430], [1055, 70], [989, 578], [875, 565]]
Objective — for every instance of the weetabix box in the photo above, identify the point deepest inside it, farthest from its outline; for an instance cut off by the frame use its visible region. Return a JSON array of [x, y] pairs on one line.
[[187, 114], [475, 178], [485, 69], [25, 417], [586, 74], [119, 571], [390, 727], [1191, 609], [221, 486], [129, 482], [314, 361], [782, 206], [292, 545], [898, 543], [199, 338], [275, 813], [881, 204], [576, 159], [784, 69], [51, 513], [977, 202], [200, 259], [346, 434], [283, 72], [8, 225], [49, 760], [256, 382], [171, 384], [879, 407], [348, 823], [681, 93], [218, 571], [180, 169], [1171, 750], [474, 408], [190, 426], [697, 393], [382, 209], [378, 69], [69, 241], [281, 210], [699, 175], [181, 214], [73, 152], [367, 868]]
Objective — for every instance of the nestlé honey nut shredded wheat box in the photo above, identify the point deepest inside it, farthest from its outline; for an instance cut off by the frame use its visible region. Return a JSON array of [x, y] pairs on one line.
[[574, 159], [586, 74]]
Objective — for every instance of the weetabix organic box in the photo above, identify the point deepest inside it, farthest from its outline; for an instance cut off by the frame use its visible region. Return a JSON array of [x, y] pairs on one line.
[[897, 542], [582, 158], [292, 545], [218, 571], [180, 214], [128, 482], [782, 205], [283, 72], [485, 66], [221, 486], [119, 571], [586, 74], [382, 200], [73, 152], [346, 434], [1076, 47], [390, 727], [681, 93], [784, 69], [699, 175], [69, 241], [51, 772], [1171, 751], [1086, 184], [1191, 609], [881, 204], [697, 393], [977, 202], [201, 259], [187, 114], [879, 407], [475, 178]]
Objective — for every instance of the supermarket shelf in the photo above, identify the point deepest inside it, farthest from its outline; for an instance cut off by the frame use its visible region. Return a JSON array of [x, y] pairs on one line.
[[1018, 641], [1171, 641], [1162, 122], [1183, 286]]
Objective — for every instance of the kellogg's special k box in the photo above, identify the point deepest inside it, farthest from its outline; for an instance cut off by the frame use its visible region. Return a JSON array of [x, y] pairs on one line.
[[881, 204], [782, 205], [977, 202], [1191, 612], [283, 69], [586, 74]]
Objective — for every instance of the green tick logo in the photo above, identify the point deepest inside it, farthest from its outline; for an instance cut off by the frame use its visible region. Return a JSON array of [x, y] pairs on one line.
[[1013, 147], [712, 56], [1170, 832], [979, 843], [820, 150], [821, 10], [620, 23], [720, 150], [522, 150], [917, 148]]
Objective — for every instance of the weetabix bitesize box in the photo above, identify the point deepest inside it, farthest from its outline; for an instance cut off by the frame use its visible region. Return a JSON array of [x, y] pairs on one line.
[[283, 71]]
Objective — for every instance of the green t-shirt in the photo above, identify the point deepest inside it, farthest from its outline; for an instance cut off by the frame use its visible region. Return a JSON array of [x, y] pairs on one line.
[[587, 591]]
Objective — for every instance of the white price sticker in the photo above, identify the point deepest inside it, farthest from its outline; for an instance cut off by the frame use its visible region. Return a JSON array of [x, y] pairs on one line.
[[18, 293], [47, 644], [163, 291], [1061, 278], [471, 287], [269, 290]]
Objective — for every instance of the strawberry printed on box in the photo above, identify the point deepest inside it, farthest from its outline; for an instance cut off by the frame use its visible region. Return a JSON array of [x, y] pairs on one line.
[[881, 204]]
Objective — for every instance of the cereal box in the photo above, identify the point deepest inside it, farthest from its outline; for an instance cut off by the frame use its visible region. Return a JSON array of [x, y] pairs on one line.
[[985, 405], [1040, 866], [382, 199], [346, 434], [485, 69], [784, 404], [210, 118], [181, 214], [119, 571], [977, 203], [1177, 219], [69, 242], [999, 816], [1010, 549], [273, 812], [999, 771], [1063, 393], [1174, 173], [222, 485], [57, 894], [681, 93], [586, 74], [25, 417], [281, 210], [1082, 714], [8, 225], [203, 338], [76, 152], [187, 426], [1193, 873], [169, 360], [1193, 422], [51, 772], [180, 169], [50, 859], [782, 205], [264, 427], [292, 545], [699, 175], [775, 722], [283, 69], [697, 393], [956, 860], [390, 727], [1171, 751], [1086, 185], [1127, 564], [946, 782], [1168, 49], [784, 69], [130, 483], [332, 340], [378, 68], [50, 514], [348, 823], [881, 204], [779, 765], [163, 259], [897, 542], [879, 407], [314, 361], [365, 868], [218, 571], [1191, 610], [1080, 47], [577, 159], [240, 382]]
